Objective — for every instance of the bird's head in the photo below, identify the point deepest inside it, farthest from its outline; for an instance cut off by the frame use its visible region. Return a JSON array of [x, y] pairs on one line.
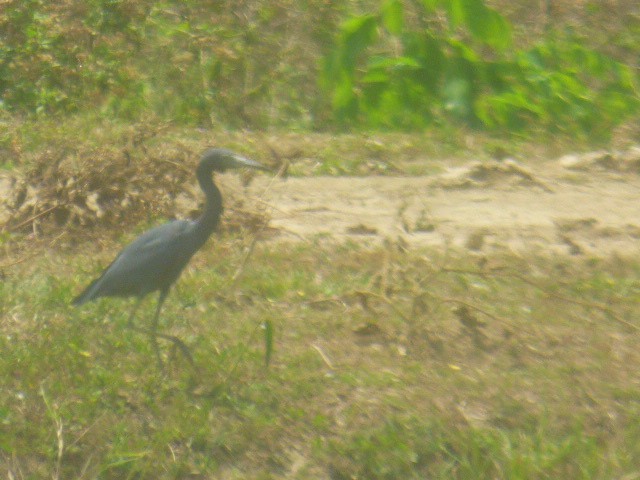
[[220, 159]]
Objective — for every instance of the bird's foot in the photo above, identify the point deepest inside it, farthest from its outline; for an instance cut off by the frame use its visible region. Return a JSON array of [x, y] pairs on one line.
[[173, 339]]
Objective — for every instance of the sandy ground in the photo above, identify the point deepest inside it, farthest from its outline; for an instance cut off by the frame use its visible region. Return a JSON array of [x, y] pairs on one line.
[[577, 205], [587, 210]]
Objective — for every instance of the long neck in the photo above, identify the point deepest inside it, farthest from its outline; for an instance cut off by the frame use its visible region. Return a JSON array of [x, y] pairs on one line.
[[209, 219]]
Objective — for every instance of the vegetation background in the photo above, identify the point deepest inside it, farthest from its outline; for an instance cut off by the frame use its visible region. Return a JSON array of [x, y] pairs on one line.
[[514, 67], [386, 362]]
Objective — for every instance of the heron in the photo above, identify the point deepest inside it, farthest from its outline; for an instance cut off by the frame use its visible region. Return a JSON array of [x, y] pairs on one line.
[[155, 260]]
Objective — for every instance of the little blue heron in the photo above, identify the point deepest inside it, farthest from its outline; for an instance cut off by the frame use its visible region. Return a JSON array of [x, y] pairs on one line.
[[156, 258]]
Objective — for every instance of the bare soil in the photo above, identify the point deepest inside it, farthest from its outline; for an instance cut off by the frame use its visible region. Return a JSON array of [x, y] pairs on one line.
[[578, 204], [575, 205]]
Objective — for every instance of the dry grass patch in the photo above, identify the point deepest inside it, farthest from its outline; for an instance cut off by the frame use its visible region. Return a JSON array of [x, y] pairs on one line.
[[388, 364]]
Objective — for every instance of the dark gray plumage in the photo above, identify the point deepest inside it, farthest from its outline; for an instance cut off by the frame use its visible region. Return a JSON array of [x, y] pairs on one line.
[[154, 261]]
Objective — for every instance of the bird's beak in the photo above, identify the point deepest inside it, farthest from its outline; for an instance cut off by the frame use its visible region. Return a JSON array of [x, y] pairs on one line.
[[241, 161]]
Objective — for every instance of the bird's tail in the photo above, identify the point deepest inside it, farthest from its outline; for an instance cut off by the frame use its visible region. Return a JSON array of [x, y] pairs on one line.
[[88, 294]]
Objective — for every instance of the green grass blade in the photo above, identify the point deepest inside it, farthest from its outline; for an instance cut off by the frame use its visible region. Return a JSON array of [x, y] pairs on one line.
[[268, 341]]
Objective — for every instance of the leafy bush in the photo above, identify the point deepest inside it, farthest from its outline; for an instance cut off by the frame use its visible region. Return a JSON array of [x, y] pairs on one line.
[[394, 64], [465, 69], [62, 57], [202, 63]]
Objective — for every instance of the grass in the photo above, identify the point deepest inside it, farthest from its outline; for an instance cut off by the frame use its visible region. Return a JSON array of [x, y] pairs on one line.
[[86, 138], [375, 373]]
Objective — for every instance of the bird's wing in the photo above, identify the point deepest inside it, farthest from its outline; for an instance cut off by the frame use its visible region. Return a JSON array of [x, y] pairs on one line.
[[151, 262], [154, 246]]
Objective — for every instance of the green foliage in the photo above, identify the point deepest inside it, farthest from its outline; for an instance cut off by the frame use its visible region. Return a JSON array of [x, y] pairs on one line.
[[466, 71], [562, 85], [311, 64], [51, 62], [420, 448], [268, 341], [196, 63], [484, 24]]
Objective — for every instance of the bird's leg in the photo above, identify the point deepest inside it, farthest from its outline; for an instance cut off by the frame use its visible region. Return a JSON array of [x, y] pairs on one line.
[[133, 312], [180, 344], [154, 341], [154, 334], [175, 340], [154, 326]]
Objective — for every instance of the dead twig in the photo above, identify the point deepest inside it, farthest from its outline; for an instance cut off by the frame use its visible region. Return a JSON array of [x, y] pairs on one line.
[[471, 306], [31, 219], [325, 359], [52, 410], [245, 258], [254, 240], [32, 254]]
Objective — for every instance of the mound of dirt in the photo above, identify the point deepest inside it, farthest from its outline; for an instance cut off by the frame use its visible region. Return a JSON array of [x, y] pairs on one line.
[[625, 161], [506, 173]]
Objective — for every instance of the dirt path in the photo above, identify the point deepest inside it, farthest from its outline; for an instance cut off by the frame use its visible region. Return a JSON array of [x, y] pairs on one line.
[[551, 208], [580, 204]]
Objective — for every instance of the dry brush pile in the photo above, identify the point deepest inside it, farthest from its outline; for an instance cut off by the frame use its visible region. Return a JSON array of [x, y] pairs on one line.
[[85, 188]]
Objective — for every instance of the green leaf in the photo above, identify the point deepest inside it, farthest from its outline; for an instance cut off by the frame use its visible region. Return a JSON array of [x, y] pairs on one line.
[[357, 34], [456, 12], [392, 16], [376, 76], [431, 5], [331, 70], [495, 30], [344, 98], [268, 341], [462, 50], [485, 24], [395, 62]]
